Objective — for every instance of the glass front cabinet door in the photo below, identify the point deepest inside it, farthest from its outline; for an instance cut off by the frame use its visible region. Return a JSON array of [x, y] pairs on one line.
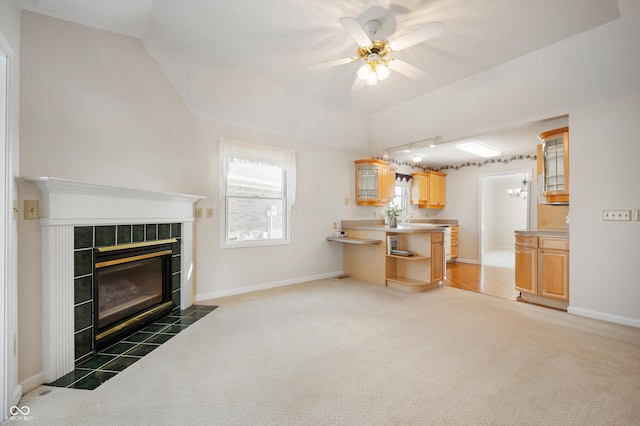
[[375, 182], [553, 165]]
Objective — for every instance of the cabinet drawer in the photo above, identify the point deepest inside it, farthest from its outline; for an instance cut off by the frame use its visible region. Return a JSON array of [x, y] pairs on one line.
[[557, 243], [437, 237], [527, 241]]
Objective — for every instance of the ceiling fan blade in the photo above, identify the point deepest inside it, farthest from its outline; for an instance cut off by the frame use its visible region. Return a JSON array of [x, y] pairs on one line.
[[355, 30], [330, 64], [406, 69], [423, 34]]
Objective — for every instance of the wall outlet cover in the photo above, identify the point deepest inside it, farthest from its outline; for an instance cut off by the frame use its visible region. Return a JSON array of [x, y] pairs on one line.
[[31, 209]]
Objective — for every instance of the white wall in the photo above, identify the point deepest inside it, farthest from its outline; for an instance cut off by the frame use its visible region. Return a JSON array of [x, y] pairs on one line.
[[97, 107], [325, 177], [592, 77], [501, 214], [605, 149]]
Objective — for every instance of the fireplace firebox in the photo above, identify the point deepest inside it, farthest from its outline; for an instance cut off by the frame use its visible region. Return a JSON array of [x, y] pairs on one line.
[[132, 288]]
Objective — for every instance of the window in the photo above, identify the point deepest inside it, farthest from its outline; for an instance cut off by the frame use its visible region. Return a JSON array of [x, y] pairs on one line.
[[257, 190], [401, 194]]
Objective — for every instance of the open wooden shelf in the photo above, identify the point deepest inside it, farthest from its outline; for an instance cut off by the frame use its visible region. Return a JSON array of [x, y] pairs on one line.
[[416, 257]]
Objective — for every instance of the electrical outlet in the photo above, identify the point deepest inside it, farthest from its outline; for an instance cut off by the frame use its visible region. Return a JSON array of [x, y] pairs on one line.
[[335, 225], [31, 209], [616, 215], [346, 201]]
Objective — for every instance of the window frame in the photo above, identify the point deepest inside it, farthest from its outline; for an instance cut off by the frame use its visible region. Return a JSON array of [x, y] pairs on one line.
[[232, 150], [405, 203], [286, 223]]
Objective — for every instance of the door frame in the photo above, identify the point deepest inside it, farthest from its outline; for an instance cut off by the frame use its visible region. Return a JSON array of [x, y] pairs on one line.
[[482, 180]]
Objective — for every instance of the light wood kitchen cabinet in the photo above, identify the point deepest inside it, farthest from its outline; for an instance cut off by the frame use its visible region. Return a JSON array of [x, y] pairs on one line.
[[553, 165], [454, 241], [428, 190], [437, 257], [527, 263], [542, 269], [375, 182], [553, 268]]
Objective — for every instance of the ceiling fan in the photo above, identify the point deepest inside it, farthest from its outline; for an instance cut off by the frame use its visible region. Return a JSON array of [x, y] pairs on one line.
[[376, 53]]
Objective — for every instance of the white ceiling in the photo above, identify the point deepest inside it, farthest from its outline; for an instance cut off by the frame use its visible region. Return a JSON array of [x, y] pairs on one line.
[[212, 51]]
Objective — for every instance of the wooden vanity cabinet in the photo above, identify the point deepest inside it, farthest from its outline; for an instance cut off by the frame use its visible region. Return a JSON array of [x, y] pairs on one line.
[[428, 190], [375, 182]]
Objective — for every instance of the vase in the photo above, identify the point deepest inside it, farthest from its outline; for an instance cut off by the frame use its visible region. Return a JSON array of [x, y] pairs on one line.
[[393, 222]]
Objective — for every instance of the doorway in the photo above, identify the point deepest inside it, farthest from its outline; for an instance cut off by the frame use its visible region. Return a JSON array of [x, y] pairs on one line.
[[504, 207]]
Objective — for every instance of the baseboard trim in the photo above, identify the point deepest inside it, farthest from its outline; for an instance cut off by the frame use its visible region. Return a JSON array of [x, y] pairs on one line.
[[471, 261], [264, 286], [32, 382], [604, 317], [17, 395]]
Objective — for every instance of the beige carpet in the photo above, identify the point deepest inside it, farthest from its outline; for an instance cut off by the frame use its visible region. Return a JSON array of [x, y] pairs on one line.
[[344, 352]]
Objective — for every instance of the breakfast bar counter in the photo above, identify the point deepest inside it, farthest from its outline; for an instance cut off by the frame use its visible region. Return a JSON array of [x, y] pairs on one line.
[[409, 257]]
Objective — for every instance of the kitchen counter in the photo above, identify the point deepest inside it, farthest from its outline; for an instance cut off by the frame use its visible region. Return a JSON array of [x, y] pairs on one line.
[[367, 253], [551, 232], [401, 229]]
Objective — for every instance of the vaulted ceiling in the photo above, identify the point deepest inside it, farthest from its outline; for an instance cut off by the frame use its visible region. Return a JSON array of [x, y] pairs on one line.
[[213, 52]]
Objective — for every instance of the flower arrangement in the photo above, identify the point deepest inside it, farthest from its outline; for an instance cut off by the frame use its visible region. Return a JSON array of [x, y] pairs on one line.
[[393, 211]]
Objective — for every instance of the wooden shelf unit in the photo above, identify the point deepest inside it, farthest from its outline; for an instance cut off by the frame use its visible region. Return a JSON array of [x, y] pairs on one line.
[[414, 273]]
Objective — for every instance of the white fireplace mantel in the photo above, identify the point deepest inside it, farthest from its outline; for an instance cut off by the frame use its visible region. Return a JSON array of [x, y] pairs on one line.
[[71, 202], [68, 203]]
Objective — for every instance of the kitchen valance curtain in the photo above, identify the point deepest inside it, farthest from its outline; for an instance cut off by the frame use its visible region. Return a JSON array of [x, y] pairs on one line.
[[229, 149]]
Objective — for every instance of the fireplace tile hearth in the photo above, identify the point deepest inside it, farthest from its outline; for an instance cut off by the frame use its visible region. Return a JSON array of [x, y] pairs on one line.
[[92, 372]]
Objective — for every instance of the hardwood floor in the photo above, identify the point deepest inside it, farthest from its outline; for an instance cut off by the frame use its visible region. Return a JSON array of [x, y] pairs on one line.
[[482, 279]]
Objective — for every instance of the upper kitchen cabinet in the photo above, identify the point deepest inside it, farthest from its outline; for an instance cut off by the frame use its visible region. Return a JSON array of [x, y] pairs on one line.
[[428, 190], [375, 182], [553, 166]]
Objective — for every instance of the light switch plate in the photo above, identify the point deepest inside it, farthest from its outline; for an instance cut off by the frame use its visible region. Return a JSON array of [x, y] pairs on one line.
[[616, 215], [637, 215], [31, 209]]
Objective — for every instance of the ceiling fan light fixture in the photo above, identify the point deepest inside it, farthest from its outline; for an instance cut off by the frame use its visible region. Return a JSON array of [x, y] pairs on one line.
[[383, 71], [372, 72]]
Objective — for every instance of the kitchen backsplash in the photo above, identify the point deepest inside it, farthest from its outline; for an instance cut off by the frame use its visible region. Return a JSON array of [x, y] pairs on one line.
[[552, 216]]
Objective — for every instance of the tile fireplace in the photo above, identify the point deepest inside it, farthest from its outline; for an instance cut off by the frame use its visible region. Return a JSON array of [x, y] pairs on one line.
[[82, 222]]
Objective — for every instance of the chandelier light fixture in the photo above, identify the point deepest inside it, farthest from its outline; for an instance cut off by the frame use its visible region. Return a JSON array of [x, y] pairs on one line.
[[519, 192]]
